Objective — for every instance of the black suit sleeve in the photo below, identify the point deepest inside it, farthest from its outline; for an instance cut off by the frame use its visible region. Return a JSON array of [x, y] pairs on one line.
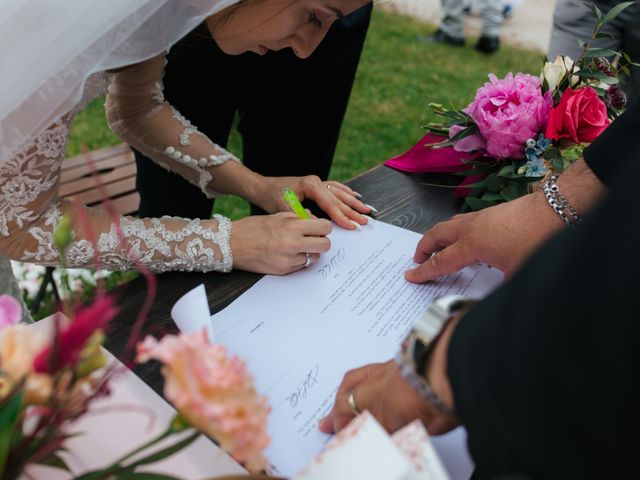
[[546, 371], [617, 146]]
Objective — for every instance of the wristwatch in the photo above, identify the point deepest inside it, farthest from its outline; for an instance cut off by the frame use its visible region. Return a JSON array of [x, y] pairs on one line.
[[419, 344]]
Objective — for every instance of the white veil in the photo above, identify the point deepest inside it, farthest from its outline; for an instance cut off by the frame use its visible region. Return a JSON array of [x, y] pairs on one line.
[[48, 48]]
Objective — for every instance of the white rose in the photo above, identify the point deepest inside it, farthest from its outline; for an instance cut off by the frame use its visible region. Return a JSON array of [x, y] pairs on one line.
[[554, 72]]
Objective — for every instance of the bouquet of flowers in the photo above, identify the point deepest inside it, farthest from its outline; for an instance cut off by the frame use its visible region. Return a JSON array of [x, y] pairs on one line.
[[523, 128], [48, 381]]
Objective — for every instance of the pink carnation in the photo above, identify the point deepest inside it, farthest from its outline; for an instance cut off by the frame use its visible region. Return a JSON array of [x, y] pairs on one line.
[[508, 112], [213, 392]]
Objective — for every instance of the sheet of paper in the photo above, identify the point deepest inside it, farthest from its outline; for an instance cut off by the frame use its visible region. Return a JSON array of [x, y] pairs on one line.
[[300, 333], [130, 416]]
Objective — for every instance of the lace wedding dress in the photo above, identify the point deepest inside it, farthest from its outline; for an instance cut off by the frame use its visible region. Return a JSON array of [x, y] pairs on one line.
[[31, 209]]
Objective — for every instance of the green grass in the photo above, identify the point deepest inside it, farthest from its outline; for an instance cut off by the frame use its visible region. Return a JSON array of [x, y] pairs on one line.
[[397, 78]]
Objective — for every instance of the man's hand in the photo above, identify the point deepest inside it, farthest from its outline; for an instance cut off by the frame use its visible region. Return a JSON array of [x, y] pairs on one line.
[[502, 236], [381, 389]]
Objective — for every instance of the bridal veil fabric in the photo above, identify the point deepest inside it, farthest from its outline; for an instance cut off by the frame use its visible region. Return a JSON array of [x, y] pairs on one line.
[[48, 49]]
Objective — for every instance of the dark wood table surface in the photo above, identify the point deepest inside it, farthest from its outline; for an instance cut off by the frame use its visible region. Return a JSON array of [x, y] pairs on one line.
[[402, 199]]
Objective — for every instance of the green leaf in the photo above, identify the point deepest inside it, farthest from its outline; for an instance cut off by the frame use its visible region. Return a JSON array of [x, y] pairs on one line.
[[471, 186], [615, 11], [507, 171], [513, 190], [558, 164], [608, 36], [55, 461], [492, 197], [572, 154], [495, 183], [596, 11], [551, 153], [165, 452], [597, 75], [599, 52], [9, 416]]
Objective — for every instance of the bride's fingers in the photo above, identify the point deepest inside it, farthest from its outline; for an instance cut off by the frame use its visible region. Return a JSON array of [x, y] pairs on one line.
[[353, 202], [333, 185]]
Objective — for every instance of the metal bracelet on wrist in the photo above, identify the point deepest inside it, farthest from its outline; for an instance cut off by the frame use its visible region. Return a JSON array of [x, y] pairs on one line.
[[422, 387], [559, 203]]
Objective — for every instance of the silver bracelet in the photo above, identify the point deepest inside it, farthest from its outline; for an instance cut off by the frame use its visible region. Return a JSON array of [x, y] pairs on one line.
[[559, 203], [422, 387]]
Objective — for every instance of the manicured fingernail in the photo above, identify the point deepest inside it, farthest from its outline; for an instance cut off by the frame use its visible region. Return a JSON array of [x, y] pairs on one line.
[[373, 209], [367, 216], [356, 224], [357, 194]]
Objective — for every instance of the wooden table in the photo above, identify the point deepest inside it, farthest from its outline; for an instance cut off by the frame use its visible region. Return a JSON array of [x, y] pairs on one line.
[[401, 199]]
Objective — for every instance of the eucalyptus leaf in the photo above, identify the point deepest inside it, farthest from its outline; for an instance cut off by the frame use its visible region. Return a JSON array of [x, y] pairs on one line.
[[599, 52], [615, 11], [606, 35], [596, 11]]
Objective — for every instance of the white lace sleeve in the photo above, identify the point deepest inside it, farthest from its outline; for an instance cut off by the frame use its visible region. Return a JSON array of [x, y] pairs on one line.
[[30, 211], [138, 113]]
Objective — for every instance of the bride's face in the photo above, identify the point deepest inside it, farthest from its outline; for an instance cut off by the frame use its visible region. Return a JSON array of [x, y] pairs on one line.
[[262, 25]]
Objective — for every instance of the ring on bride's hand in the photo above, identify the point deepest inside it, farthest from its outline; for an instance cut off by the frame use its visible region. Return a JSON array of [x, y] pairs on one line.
[[352, 404], [309, 260], [328, 186]]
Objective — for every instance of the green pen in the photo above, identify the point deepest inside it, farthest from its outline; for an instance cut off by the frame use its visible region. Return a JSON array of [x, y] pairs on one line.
[[296, 207]]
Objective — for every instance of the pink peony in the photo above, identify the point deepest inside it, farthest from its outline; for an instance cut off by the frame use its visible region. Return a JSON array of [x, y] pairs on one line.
[[10, 311], [508, 112], [213, 392]]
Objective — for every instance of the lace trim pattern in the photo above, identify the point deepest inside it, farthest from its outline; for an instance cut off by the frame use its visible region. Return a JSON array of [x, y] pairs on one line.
[[29, 174], [189, 247]]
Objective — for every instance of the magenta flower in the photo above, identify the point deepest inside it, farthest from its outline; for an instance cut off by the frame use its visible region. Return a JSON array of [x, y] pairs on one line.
[[508, 112], [71, 340], [10, 311]]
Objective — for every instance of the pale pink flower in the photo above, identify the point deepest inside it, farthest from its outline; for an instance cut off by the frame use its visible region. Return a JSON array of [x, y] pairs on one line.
[[213, 392], [508, 112], [10, 311], [19, 345]]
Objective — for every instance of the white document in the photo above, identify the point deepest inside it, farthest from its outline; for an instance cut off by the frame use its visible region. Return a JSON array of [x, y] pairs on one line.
[[300, 333]]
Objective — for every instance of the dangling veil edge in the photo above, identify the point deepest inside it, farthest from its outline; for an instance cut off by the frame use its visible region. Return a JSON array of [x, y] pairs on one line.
[[49, 48]]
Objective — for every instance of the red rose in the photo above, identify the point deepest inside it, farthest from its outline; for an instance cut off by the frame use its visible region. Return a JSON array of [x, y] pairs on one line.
[[581, 116]]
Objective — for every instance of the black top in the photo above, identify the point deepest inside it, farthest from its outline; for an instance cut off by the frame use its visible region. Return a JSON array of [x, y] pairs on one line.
[[546, 371]]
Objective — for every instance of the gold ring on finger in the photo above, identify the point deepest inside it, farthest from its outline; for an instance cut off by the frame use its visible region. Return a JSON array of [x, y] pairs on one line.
[[352, 404]]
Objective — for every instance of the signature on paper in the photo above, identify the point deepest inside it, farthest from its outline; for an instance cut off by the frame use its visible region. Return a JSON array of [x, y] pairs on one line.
[[329, 267], [310, 380]]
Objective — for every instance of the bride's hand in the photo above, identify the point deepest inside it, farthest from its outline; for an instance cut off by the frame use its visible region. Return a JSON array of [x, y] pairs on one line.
[[277, 244], [339, 202]]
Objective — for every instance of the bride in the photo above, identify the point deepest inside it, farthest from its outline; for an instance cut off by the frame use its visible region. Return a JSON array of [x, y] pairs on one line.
[[54, 55]]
